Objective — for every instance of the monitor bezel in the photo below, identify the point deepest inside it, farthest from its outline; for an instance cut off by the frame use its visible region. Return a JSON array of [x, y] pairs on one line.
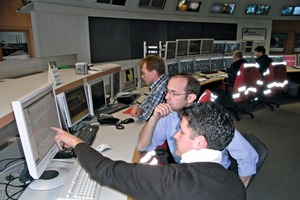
[[29, 149]]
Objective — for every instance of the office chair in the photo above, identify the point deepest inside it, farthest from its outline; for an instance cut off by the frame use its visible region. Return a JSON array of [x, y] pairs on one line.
[[261, 150], [280, 77], [267, 89], [235, 93]]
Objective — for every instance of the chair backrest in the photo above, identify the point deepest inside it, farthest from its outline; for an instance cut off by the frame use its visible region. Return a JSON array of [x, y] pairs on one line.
[[280, 76], [239, 89], [254, 80], [205, 96], [261, 150], [269, 88]]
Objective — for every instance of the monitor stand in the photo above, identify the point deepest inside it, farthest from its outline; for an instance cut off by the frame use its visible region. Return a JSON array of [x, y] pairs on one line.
[[51, 178]]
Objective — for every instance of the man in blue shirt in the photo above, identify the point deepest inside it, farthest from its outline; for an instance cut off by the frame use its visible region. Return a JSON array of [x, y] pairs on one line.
[[182, 91], [152, 73]]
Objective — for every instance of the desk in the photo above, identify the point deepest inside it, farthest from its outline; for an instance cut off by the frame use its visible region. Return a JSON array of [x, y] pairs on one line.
[[13, 89], [292, 70], [123, 143]]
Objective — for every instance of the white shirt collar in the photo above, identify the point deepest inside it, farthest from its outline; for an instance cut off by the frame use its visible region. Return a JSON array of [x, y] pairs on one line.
[[202, 155]]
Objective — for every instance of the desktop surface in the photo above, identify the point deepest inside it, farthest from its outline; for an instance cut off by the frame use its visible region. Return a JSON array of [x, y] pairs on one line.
[[123, 143]]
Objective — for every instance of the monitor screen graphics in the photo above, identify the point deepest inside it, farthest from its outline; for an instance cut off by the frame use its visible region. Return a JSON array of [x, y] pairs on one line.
[[219, 47], [202, 64], [96, 95], [216, 64], [223, 8], [231, 47], [170, 50], [207, 46], [182, 47], [73, 105], [187, 66], [128, 79], [194, 47], [287, 10], [172, 68], [35, 113], [227, 60]]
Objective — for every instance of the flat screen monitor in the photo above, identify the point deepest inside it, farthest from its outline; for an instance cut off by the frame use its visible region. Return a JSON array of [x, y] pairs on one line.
[[115, 84], [35, 113], [170, 50], [219, 47], [276, 58], [227, 60], [182, 47], [95, 91], [172, 68], [191, 6], [187, 66], [231, 47], [250, 59], [207, 46], [296, 11], [202, 64], [287, 10], [73, 105], [194, 47], [216, 64], [223, 8], [254, 9], [128, 79]]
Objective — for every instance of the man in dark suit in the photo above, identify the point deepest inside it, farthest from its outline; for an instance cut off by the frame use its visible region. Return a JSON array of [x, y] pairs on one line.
[[238, 59], [205, 130]]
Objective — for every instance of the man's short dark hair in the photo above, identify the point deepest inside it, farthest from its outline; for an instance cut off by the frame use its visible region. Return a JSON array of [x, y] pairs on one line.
[[260, 49], [211, 120], [192, 85]]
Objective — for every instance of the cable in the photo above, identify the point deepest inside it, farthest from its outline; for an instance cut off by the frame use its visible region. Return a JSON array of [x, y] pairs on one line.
[[8, 184], [16, 159]]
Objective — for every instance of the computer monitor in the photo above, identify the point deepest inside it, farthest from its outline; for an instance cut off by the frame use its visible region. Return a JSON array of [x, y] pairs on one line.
[[170, 50], [216, 63], [202, 64], [254, 9], [227, 60], [35, 113], [223, 8], [95, 91], [207, 46], [219, 47], [172, 67], [73, 105], [231, 47], [287, 10], [277, 58], [186, 66], [250, 59], [194, 47], [128, 79], [182, 47], [296, 11], [115, 84]]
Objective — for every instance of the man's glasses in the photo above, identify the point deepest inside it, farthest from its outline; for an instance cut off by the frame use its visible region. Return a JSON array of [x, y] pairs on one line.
[[174, 94]]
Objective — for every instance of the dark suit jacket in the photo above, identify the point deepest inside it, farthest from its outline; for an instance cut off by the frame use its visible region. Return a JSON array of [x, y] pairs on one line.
[[202, 180], [264, 62], [233, 70]]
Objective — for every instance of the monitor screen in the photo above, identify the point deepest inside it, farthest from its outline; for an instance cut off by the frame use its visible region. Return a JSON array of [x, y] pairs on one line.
[[287, 10], [182, 47], [74, 105], [192, 6], [227, 61], [276, 58], [96, 95], [35, 113], [172, 68], [216, 63], [231, 47], [219, 47], [296, 10], [128, 79], [187, 66], [115, 82], [202, 65], [170, 50], [224, 8], [250, 59], [254, 9], [207, 46], [194, 47]]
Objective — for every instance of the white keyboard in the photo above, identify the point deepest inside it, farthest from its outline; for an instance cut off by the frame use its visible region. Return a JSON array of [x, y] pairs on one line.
[[78, 185]]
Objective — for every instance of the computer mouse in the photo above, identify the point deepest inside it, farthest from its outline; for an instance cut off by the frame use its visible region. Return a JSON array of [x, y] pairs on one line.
[[128, 121], [103, 147]]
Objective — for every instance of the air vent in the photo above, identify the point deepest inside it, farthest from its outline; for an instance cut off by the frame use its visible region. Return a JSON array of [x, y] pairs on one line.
[[113, 2], [156, 4]]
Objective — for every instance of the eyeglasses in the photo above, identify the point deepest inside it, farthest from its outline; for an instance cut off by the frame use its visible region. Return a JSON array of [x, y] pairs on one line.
[[174, 94]]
